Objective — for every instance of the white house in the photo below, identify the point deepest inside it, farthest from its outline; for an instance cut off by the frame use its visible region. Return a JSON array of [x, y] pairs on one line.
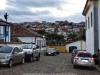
[[92, 17], [80, 45], [27, 35], [50, 30], [4, 31]]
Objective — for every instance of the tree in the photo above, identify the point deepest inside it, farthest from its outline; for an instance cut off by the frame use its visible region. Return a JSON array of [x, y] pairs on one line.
[[42, 32], [66, 22]]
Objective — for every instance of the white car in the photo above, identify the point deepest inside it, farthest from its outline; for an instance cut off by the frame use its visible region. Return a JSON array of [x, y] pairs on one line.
[[83, 59]]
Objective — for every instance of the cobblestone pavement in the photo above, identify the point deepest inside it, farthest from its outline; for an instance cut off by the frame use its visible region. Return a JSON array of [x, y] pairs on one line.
[[59, 64]]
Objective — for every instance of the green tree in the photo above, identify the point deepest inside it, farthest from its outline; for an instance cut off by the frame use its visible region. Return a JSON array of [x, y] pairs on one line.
[[42, 32]]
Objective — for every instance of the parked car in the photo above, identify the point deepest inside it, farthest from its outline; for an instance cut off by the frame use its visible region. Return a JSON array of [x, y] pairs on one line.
[[10, 55], [75, 51], [83, 59], [52, 51], [31, 51]]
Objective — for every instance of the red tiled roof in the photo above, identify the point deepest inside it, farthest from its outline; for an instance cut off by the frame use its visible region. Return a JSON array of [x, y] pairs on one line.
[[19, 30]]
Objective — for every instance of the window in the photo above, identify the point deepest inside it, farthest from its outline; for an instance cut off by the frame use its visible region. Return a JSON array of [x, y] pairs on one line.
[[88, 23], [6, 49], [91, 19], [84, 55]]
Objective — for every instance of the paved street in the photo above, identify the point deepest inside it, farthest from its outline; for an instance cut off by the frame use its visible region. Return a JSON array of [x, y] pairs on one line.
[[48, 64]]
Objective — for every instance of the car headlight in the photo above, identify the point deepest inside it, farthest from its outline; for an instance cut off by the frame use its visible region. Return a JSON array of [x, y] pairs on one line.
[[6, 57]]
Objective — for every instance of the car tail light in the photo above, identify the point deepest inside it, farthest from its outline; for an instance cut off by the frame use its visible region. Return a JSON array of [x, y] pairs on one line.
[[92, 59], [76, 57]]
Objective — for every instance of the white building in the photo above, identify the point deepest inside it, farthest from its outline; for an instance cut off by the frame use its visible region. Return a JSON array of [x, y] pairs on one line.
[[27, 35], [92, 17], [80, 45]]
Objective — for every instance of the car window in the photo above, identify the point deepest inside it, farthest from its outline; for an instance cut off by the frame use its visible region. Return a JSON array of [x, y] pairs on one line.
[[6, 49], [27, 46], [84, 55], [19, 49], [15, 50]]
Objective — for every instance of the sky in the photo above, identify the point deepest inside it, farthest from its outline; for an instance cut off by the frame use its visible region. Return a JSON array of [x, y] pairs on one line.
[[42, 10]]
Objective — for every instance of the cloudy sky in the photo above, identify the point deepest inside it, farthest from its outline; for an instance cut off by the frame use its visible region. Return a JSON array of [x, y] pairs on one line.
[[42, 10]]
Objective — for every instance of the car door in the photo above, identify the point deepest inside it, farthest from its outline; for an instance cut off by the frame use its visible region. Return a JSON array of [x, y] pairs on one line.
[[20, 54], [15, 55]]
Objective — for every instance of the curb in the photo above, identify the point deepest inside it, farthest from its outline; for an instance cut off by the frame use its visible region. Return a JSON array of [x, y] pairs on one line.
[[97, 68]]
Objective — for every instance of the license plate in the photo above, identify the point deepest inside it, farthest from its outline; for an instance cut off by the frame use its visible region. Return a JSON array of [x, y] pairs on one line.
[[84, 60], [49, 53]]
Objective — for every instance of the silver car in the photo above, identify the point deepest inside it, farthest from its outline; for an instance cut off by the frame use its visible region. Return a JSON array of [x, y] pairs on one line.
[[10, 55], [83, 58]]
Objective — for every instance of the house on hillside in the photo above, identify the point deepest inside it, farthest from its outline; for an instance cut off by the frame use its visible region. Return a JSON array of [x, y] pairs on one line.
[[4, 31], [27, 35], [91, 12]]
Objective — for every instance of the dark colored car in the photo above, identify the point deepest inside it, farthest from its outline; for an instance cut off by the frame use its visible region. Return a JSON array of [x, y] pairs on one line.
[[52, 51]]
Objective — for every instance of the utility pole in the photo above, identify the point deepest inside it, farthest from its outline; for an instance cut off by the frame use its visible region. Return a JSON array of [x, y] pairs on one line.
[[6, 17]]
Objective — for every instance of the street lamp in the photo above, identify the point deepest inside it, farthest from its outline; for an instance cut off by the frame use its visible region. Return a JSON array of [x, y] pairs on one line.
[[6, 17]]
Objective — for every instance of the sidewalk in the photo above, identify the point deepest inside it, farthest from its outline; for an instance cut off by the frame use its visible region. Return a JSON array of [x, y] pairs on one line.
[[97, 67]]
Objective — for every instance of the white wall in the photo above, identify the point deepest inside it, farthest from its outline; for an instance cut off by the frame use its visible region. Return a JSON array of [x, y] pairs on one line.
[[90, 32], [27, 39], [77, 44], [11, 44]]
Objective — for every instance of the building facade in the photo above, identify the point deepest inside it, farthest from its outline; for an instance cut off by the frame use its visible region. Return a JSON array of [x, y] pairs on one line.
[[92, 16]]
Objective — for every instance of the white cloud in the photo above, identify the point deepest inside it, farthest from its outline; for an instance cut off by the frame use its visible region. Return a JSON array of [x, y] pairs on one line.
[[3, 4], [67, 10]]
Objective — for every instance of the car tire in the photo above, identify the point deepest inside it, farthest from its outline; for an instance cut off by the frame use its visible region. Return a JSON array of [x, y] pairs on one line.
[[23, 61], [31, 59], [54, 54], [75, 67], [10, 64], [38, 58], [92, 68]]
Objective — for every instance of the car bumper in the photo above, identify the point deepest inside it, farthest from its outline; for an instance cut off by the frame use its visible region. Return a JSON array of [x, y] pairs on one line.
[[49, 53], [84, 64], [4, 62], [27, 56]]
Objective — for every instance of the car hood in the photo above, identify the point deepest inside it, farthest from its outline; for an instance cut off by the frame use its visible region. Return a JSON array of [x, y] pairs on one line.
[[4, 54], [50, 51], [27, 50]]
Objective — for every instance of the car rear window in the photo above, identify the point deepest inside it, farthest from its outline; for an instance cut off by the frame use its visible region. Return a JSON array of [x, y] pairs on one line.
[[84, 55]]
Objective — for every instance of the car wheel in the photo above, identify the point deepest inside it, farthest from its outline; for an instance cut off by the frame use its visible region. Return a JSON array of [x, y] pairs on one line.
[[38, 58], [75, 67], [31, 59], [92, 68], [10, 63], [54, 54], [23, 61]]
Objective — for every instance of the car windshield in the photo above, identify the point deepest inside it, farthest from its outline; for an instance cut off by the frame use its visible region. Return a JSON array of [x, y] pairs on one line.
[[84, 55], [51, 50], [6, 49], [27, 46]]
